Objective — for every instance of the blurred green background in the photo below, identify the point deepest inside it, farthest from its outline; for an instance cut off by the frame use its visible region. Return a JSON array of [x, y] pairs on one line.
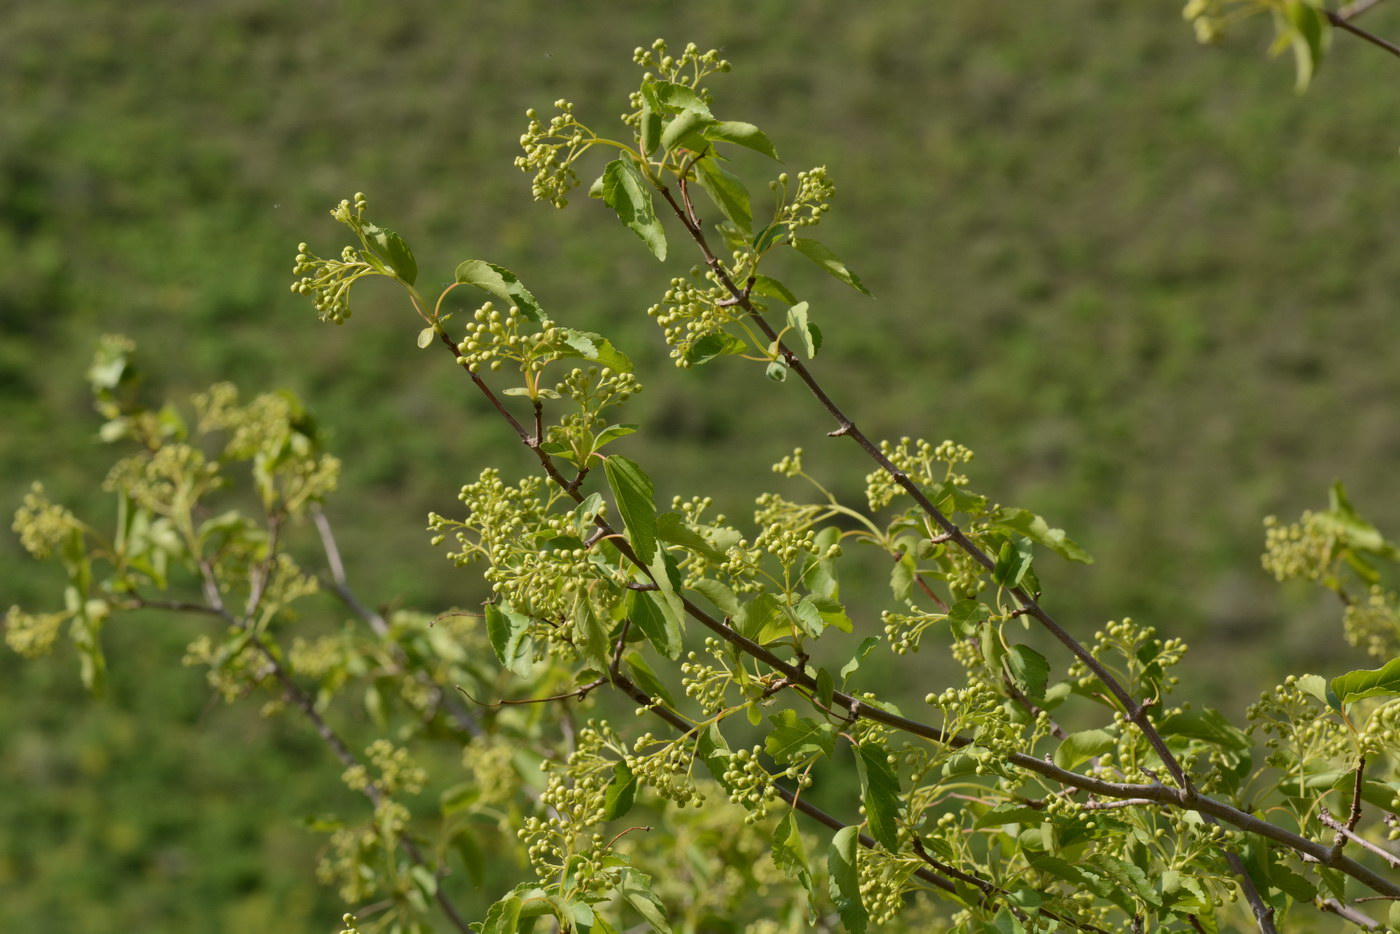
[[1148, 284]]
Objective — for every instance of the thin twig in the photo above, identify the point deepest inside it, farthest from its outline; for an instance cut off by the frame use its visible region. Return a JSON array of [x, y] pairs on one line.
[[1344, 831], [1351, 914], [1342, 22], [1354, 813]]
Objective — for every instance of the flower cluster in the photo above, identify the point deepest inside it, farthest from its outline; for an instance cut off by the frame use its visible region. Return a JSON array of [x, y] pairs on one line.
[[750, 784], [1304, 549], [42, 524], [689, 68], [922, 464], [809, 202], [550, 151], [1374, 624], [32, 635], [691, 312], [667, 767], [327, 281], [494, 338], [167, 482]]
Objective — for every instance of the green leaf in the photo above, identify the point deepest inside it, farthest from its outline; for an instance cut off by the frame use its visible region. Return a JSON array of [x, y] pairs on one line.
[[1013, 562], [425, 337], [879, 793], [742, 134], [626, 192], [1378, 682], [826, 686], [1317, 686], [1029, 671], [655, 622], [684, 131], [1205, 724], [506, 630], [767, 236], [649, 129], [675, 98], [848, 669], [620, 793], [827, 612], [1009, 812], [593, 347], [591, 630], [727, 192], [1309, 32], [720, 595], [502, 283], [789, 855], [646, 679], [1024, 522], [827, 260], [795, 739], [844, 881], [635, 497], [1082, 746], [390, 247], [1393, 914], [714, 344], [502, 917], [767, 285], [797, 320], [611, 434], [671, 528], [762, 620], [636, 889], [965, 616]]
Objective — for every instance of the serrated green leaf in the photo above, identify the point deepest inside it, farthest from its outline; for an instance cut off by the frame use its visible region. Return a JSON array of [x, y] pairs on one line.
[[1013, 562], [1377, 682], [797, 739], [656, 622], [1082, 746], [592, 347], [843, 879], [645, 678], [826, 686], [591, 632], [767, 285], [762, 620], [828, 260], [1206, 724], [507, 631], [1029, 671], [611, 434], [671, 528], [685, 130], [502, 283], [620, 793], [1024, 522], [391, 248], [720, 595], [503, 917], [797, 320], [636, 889], [789, 853], [965, 616], [626, 192], [669, 97], [742, 134], [727, 192], [879, 793], [850, 668], [635, 497], [714, 344]]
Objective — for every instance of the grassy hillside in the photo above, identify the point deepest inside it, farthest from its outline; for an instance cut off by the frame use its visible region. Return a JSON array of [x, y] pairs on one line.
[[1149, 285]]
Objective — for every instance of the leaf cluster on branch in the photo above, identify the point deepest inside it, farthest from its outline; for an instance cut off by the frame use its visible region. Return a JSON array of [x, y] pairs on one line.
[[978, 811]]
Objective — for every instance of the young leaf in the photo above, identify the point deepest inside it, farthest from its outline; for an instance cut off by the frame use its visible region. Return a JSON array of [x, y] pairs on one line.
[[502, 283], [879, 793], [626, 192], [742, 134], [684, 131], [611, 434], [621, 792], [789, 855], [671, 528], [391, 248], [1013, 562], [1309, 32], [675, 98], [635, 500], [844, 881], [795, 739], [506, 629], [1029, 671], [964, 617], [1378, 682], [425, 337], [777, 370], [636, 889], [502, 917], [797, 320], [592, 347], [727, 192], [826, 686], [827, 260], [762, 619], [655, 623], [714, 344], [720, 595], [850, 668], [1082, 746], [649, 129], [767, 285], [1024, 522], [646, 679]]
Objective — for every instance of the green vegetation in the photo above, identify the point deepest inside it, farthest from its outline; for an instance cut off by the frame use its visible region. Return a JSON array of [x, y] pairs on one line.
[[1127, 266]]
